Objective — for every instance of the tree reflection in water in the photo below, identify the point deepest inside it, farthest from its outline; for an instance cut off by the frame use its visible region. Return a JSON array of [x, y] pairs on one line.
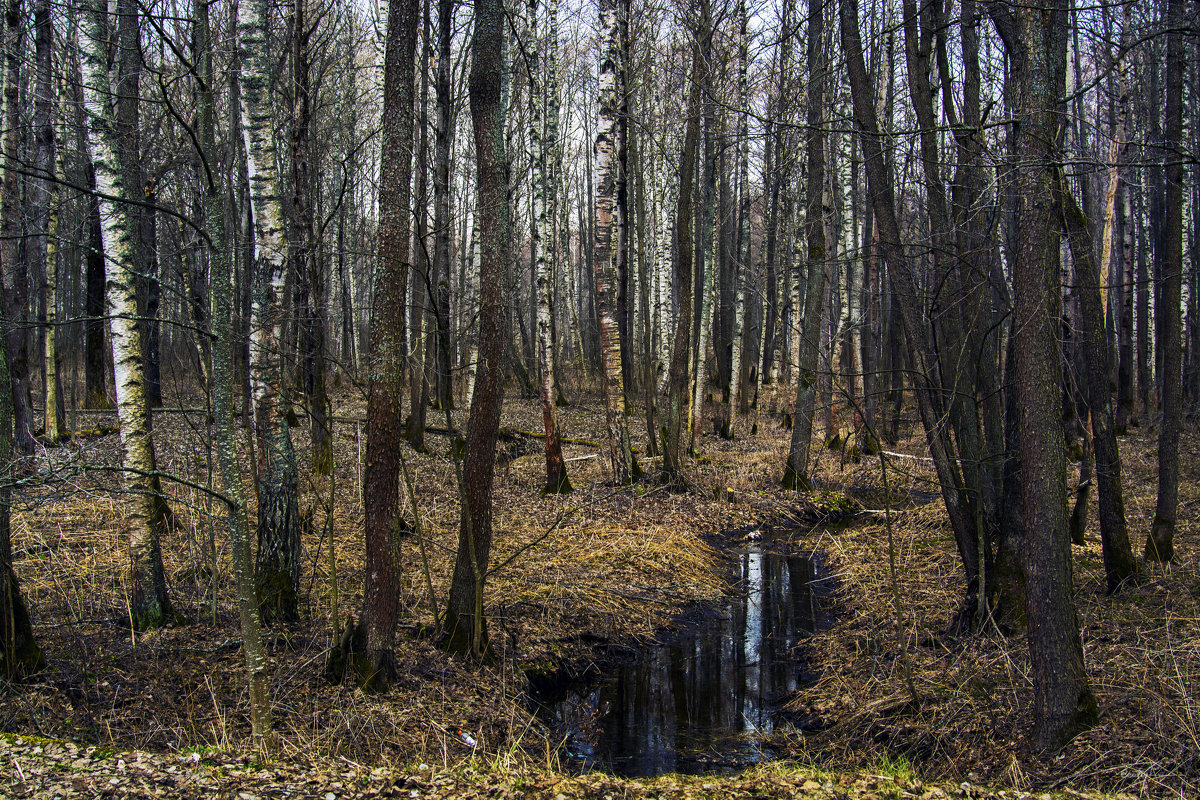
[[704, 698]]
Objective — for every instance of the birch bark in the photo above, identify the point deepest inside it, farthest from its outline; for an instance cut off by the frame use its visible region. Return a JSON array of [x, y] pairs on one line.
[[150, 605], [277, 567]]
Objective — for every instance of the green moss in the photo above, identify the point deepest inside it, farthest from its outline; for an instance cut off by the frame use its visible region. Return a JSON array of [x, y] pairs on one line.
[[562, 486], [276, 595], [795, 482]]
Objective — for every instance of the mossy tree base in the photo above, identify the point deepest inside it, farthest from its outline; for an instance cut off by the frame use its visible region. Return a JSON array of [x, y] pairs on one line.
[[793, 481], [153, 614], [1160, 544], [559, 485], [373, 672], [458, 638], [277, 597], [20, 655]]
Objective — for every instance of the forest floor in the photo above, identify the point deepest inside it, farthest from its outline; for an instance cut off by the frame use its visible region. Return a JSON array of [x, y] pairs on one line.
[[586, 575]]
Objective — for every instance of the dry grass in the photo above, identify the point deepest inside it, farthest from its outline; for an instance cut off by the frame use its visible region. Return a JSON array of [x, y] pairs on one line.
[[601, 567]]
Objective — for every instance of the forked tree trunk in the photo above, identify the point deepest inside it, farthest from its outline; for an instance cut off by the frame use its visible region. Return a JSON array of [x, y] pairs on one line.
[[150, 606], [465, 627]]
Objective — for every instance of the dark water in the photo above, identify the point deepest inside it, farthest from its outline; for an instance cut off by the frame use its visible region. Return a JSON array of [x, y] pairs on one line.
[[705, 697]]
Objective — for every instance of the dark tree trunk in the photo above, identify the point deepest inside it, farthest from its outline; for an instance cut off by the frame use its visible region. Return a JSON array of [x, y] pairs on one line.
[[20, 655], [465, 628], [376, 666], [418, 387], [1119, 564], [904, 283], [1035, 37], [678, 385], [1160, 542], [1142, 281], [96, 353], [15, 272], [443, 143], [148, 228], [308, 273]]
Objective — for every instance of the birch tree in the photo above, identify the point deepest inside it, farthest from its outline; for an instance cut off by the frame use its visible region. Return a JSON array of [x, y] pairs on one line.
[[795, 474], [277, 566], [607, 245], [224, 437], [544, 185], [146, 516]]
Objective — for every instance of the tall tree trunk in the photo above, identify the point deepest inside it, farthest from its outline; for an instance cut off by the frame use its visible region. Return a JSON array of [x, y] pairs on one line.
[[127, 85], [1160, 542], [678, 395], [442, 223], [222, 385], [703, 323], [795, 473], [1035, 37], [607, 251], [45, 201], [542, 239], [741, 249], [150, 606], [277, 567], [16, 273], [904, 282], [20, 654], [465, 627], [422, 294], [1119, 564], [96, 356], [308, 272], [1126, 367], [375, 656]]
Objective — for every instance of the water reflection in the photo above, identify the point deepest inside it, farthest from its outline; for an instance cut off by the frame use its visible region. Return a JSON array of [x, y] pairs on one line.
[[702, 699]]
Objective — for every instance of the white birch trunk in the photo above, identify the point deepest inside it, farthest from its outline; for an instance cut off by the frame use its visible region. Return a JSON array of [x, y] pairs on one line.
[[277, 569], [145, 520], [605, 254]]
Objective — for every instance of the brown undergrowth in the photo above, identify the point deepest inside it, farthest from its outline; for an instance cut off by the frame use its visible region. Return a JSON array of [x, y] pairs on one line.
[[601, 568]]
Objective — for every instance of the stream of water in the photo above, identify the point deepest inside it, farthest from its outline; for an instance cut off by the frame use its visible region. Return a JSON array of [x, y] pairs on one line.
[[705, 697]]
